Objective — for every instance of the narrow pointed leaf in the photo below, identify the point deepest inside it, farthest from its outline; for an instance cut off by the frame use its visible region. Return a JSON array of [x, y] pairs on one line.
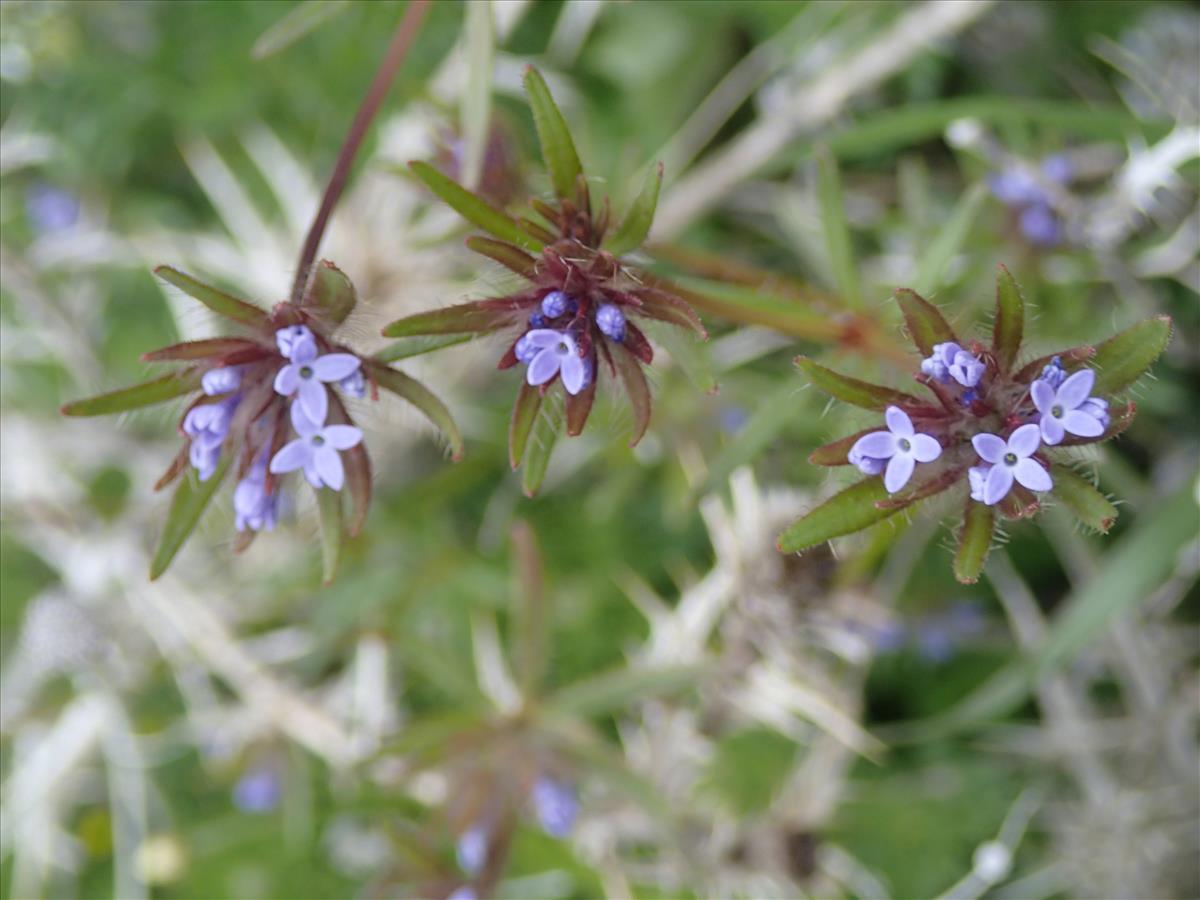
[[475, 105], [465, 318], [949, 240], [533, 613], [329, 509], [920, 490], [558, 150], [634, 380], [846, 512], [851, 390], [473, 208], [579, 407], [538, 451], [147, 393], [212, 347], [689, 354], [423, 399], [837, 231], [187, 505], [297, 22], [666, 307], [513, 258], [178, 465], [1125, 357], [837, 453], [974, 541], [1009, 328], [926, 325], [524, 414], [1071, 359], [217, 300], [418, 345], [636, 224], [1080, 496], [330, 295]]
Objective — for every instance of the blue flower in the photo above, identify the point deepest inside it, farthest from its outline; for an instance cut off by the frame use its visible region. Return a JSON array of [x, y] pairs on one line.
[[306, 372], [463, 892], [287, 338], [1053, 372], [1068, 409], [253, 507], [50, 208], [556, 806], [977, 479], [316, 450], [354, 385], [221, 380], [258, 791], [901, 445], [555, 304], [207, 424], [554, 352], [1011, 460], [1040, 225], [966, 369], [537, 320], [1016, 186], [937, 365], [611, 321], [472, 849]]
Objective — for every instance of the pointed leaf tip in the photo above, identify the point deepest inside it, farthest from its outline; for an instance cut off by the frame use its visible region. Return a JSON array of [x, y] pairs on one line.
[[851, 510], [925, 322], [1009, 327], [851, 390], [215, 299], [1080, 496], [1127, 356], [168, 387], [330, 295], [472, 207], [636, 224], [187, 505], [558, 149]]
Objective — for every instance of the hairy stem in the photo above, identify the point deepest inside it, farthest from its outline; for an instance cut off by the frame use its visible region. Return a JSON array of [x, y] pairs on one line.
[[402, 39]]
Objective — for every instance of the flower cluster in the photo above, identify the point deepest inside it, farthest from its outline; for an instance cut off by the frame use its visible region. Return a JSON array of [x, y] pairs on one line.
[[990, 424], [1032, 192], [575, 316], [284, 377]]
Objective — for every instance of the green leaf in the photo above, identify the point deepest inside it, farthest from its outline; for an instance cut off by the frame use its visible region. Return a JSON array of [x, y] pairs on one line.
[[475, 105], [418, 345], [749, 305], [1080, 496], [1009, 328], [218, 301], [512, 258], [472, 207], [851, 390], [295, 24], [636, 224], [925, 323], [187, 505], [615, 689], [974, 541], [1125, 357], [558, 150], [837, 231], [533, 613], [524, 414], [846, 512], [329, 510], [204, 349], [147, 393], [465, 318], [837, 453], [539, 449], [949, 240], [331, 295], [423, 399]]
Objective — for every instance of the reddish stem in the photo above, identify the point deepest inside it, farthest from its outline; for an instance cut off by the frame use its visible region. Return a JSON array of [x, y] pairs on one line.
[[403, 37]]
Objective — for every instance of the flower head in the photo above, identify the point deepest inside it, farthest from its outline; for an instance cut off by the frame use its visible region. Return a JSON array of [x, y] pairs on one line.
[[611, 321], [1011, 460], [354, 385], [966, 369], [472, 849], [287, 338], [221, 380], [551, 353], [1068, 409], [556, 806], [307, 371], [253, 506], [937, 364], [316, 450], [901, 445]]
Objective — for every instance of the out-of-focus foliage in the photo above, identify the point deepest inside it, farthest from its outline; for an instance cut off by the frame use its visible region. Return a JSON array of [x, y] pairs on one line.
[[733, 721]]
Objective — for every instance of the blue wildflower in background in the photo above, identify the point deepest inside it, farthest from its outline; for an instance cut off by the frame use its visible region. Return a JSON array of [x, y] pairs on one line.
[[556, 806], [258, 791]]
